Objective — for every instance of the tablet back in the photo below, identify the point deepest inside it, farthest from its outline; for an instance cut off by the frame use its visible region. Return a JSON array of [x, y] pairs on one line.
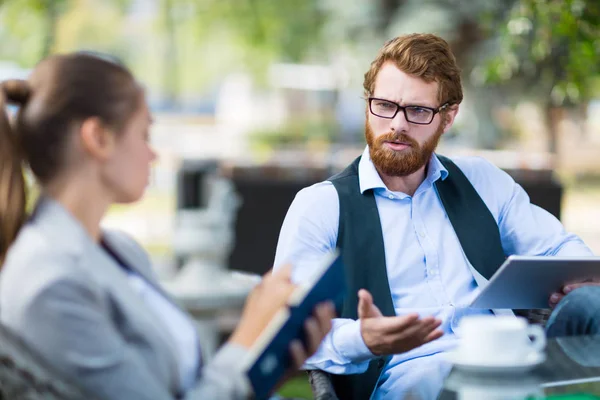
[[526, 282]]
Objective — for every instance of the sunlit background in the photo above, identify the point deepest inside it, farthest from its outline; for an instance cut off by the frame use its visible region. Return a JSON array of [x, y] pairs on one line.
[[273, 90], [280, 82]]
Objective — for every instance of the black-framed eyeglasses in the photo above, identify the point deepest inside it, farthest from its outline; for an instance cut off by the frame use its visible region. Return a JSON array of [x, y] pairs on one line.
[[419, 115]]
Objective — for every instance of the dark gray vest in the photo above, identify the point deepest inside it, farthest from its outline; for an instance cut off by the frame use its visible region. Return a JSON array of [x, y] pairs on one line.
[[361, 242]]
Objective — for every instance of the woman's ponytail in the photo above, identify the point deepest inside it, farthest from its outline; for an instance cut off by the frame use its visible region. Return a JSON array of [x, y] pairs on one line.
[[12, 181]]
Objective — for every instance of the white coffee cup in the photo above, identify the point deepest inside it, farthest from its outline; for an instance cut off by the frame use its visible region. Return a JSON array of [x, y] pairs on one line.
[[502, 340]]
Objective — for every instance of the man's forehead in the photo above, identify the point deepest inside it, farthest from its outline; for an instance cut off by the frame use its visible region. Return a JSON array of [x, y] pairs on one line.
[[393, 84]]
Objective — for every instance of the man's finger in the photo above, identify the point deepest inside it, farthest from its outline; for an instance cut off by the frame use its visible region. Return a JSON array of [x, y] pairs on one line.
[[569, 288], [399, 324], [433, 323], [555, 298], [417, 330], [429, 320], [421, 328], [436, 334], [363, 303], [366, 308]]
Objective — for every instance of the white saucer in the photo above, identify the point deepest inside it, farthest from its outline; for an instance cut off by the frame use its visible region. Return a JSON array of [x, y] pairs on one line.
[[532, 360]]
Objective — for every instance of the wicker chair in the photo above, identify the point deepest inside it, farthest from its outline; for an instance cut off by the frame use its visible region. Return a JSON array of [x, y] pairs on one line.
[[25, 376], [321, 385]]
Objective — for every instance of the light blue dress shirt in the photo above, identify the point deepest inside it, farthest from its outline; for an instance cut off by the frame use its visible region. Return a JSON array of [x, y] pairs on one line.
[[427, 269]]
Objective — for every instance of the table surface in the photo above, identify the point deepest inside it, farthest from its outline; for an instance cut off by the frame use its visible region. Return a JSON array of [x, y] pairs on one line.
[[572, 366], [209, 294]]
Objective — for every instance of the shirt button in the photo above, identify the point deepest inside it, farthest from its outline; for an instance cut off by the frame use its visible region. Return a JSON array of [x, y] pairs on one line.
[[421, 234], [433, 272], [391, 196]]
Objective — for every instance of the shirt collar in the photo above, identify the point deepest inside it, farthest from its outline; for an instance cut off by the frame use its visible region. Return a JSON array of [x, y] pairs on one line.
[[368, 177]]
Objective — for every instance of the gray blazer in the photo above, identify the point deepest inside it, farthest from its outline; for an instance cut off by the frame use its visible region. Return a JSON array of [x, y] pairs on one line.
[[72, 302]]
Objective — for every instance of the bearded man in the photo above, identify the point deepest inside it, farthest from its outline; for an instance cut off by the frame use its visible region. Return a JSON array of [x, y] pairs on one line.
[[419, 233]]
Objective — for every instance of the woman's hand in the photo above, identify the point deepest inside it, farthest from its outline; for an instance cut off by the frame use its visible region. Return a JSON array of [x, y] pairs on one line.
[[315, 329], [267, 298]]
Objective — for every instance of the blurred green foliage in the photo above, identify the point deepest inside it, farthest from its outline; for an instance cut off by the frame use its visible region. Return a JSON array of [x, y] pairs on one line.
[[299, 130], [296, 388], [282, 30], [545, 51], [185, 47], [550, 48]]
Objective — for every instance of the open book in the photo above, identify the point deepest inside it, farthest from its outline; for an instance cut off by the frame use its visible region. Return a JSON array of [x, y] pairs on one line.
[[269, 357]]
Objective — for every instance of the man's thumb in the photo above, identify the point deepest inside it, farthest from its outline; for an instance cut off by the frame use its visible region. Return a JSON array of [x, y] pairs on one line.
[[366, 308]]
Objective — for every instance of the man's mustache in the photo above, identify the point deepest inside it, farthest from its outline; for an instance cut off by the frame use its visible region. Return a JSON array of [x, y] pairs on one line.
[[397, 137]]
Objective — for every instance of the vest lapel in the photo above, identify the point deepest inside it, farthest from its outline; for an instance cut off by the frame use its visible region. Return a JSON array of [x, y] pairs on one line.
[[472, 221], [360, 240]]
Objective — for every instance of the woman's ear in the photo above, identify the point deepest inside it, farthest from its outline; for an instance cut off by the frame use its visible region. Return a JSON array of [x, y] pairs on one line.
[[96, 139]]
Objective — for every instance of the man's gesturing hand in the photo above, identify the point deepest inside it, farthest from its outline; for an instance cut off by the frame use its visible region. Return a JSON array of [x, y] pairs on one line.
[[393, 335]]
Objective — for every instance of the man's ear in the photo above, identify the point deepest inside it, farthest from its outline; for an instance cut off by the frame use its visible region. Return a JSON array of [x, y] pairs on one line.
[[450, 116], [96, 139]]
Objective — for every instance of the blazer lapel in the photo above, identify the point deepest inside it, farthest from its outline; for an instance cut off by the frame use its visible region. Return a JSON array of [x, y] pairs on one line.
[[70, 235], [139, 263]]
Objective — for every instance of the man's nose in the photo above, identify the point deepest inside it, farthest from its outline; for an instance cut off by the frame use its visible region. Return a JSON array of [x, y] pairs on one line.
[[399, 122]]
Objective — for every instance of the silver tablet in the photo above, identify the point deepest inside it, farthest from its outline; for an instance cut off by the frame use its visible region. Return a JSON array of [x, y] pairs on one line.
[[524, 282]]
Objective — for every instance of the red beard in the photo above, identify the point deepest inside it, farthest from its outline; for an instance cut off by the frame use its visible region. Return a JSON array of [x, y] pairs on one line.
[[403, 162]]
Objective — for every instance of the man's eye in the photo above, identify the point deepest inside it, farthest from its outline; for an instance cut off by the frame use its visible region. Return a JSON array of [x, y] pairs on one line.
[[419, 110], [385, 104]]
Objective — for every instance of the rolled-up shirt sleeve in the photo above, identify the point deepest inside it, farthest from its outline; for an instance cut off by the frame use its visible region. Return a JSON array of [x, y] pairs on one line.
[[343, 351]]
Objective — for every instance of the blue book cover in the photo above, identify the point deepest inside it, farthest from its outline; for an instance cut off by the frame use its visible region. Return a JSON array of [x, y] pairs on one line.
[[269, 358]]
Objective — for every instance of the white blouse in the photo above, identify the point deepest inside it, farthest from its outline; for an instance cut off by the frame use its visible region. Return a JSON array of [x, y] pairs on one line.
[[179, 325]]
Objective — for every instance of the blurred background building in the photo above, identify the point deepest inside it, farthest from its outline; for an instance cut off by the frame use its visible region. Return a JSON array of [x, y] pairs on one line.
[[276, 86], [271, 91]]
